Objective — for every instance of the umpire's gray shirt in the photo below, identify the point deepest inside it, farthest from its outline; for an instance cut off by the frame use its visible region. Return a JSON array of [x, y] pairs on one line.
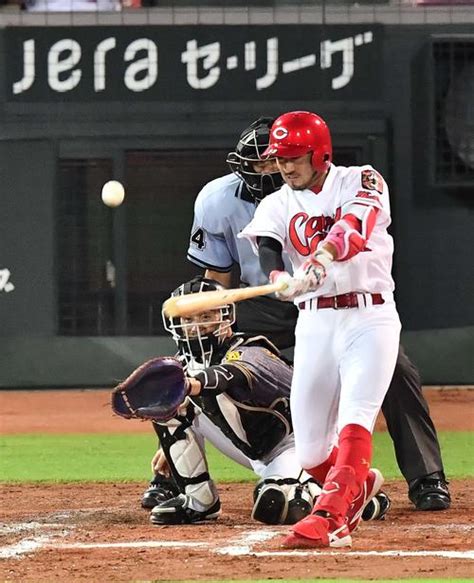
[[221, 210]]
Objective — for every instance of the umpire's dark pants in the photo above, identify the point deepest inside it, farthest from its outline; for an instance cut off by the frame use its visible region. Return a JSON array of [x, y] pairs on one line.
[[404, 408], [409, 423]]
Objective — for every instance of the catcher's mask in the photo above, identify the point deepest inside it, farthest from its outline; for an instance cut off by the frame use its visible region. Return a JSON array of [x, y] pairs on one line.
[[252, 143], [199, 337]]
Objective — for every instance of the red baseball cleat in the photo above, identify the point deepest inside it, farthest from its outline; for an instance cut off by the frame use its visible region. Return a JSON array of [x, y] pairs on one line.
[[371, 486], [319, 531]]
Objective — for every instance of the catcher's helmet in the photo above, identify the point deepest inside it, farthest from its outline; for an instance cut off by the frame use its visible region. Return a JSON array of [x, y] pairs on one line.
[[298, 132], [199, 337], [252, 143]]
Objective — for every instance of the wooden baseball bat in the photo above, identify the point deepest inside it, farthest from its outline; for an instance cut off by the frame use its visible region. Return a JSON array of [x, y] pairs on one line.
[[202, 301]]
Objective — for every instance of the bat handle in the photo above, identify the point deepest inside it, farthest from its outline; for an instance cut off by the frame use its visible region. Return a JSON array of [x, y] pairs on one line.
[[279, 286]]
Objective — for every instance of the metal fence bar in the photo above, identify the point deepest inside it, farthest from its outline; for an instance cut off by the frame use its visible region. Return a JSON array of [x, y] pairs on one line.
[[330, 12]]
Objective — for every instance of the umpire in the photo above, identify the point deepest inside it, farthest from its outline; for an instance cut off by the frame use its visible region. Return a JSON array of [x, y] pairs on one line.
[[222, 209]]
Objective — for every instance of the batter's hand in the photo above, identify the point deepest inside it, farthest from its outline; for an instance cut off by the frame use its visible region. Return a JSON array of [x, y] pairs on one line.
[[313, 270], [294, 287]]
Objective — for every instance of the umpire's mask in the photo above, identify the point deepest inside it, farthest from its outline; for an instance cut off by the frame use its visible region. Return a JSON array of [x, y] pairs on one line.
[[252, 143]]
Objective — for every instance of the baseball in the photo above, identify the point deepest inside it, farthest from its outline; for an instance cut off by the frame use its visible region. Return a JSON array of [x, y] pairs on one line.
[[113, 193]]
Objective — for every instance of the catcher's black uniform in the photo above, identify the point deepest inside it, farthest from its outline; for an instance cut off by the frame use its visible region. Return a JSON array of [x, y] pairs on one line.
[[245, 395]]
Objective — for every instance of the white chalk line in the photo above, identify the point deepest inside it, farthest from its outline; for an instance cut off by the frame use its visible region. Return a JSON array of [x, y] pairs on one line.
[[21, 527], [152, 544], [469, 555], [25, 546], [50, 533], [241, 545], [237, 550]]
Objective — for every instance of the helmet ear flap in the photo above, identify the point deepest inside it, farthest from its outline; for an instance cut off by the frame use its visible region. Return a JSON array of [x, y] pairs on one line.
[[321, 163]]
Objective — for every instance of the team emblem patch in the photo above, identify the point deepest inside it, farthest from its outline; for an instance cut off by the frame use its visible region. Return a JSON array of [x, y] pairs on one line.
[[371, 180], [280, 133], [233, 355]]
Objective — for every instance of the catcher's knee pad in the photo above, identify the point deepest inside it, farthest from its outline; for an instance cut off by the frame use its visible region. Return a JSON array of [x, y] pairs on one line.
[[283, 500]]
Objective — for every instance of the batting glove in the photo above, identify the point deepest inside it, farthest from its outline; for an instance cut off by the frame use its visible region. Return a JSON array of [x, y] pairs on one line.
[[313, 270], [294, 287]]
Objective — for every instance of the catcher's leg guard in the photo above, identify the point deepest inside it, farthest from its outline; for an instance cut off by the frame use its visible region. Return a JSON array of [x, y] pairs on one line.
[[283, 500], [198, 498]]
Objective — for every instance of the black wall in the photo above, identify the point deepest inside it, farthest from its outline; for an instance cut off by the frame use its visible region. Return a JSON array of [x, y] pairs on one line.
[[383, 112], [27, 173]]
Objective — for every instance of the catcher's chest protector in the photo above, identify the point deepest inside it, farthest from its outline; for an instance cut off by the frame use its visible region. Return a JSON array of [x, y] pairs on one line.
[[255, 416]]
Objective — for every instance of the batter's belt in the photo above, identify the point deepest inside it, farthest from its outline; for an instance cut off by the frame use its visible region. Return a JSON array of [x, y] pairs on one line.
[[342, 301]]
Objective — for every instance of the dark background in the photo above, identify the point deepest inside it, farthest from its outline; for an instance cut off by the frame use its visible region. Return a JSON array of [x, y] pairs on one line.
[[89, 281]]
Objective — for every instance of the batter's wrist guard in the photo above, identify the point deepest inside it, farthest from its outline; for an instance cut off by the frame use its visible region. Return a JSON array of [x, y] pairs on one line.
[[323, 257]]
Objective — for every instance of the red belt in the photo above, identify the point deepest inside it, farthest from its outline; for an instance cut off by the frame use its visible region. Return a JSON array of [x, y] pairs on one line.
[[342, 301]]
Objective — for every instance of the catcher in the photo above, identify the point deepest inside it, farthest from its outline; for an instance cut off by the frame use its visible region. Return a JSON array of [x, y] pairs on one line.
[[233, 390]]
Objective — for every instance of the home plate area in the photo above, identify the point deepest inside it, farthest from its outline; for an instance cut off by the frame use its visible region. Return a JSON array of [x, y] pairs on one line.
[[97, 532]]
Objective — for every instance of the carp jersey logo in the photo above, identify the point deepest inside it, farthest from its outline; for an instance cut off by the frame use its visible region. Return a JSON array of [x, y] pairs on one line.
[[305, 232], [371, 180]]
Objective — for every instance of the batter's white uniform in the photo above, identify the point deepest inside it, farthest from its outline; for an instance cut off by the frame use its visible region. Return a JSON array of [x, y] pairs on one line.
[[344, 358]]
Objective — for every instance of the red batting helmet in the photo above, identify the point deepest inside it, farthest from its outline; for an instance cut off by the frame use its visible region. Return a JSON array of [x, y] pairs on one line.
[[296, 133]]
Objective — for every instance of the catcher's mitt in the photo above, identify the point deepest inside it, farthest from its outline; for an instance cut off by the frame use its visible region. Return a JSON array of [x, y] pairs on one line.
[[155, 390]]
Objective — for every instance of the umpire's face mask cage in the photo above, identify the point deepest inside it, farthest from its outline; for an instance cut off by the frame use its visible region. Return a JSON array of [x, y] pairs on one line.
[[250, 147], [200, 336]]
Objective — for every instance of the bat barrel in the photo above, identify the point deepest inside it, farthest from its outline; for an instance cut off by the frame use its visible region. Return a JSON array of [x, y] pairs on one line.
[[191, 304]]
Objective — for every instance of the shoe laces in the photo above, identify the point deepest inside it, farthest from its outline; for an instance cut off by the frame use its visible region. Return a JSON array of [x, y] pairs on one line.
[[431, 483]]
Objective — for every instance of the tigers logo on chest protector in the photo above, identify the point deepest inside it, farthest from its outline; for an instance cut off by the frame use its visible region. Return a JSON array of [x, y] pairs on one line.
[[305, 232]]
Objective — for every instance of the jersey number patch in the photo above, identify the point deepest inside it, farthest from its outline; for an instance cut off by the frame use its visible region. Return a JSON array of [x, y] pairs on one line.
[[197, 239]]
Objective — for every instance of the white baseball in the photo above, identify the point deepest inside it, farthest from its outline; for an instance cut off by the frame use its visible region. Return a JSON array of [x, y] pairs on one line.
[[113, 193]]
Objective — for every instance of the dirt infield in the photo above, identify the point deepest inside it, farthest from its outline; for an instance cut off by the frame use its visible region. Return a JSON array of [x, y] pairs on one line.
[[97, 532], [88, 411]]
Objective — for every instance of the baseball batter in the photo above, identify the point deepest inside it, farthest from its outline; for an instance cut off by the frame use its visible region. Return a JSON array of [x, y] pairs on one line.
[[332, 221], [222, 209]]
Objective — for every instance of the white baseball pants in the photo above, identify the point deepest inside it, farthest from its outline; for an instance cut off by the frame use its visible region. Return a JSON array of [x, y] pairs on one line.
[[344, 362]]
